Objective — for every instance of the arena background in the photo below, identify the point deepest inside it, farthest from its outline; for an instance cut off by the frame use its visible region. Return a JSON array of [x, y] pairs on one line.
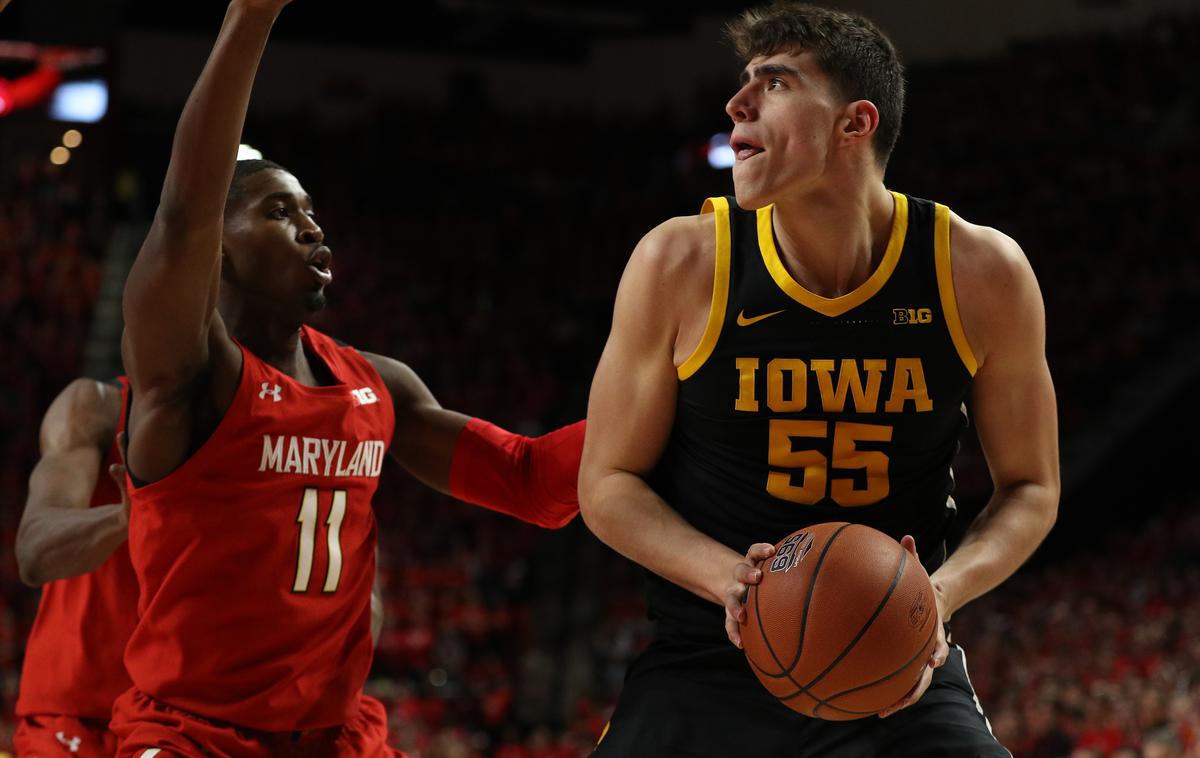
[[483, 169]]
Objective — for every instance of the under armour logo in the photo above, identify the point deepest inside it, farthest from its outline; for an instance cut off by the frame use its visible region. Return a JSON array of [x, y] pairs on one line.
[[72, 744], [272, 391]]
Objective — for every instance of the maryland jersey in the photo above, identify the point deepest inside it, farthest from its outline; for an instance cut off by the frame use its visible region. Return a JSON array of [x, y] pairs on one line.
[[256, 557], [73, 656], [797, 409]]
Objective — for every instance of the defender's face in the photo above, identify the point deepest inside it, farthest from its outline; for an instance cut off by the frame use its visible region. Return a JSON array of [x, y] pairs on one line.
[[274, 248], [785, 117]]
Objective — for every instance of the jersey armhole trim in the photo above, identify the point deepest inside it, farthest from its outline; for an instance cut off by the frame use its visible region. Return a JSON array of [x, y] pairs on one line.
[[945, 279], [719, 207]]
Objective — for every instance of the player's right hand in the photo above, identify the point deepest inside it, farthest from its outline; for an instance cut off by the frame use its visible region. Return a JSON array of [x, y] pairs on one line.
[[745, 573]]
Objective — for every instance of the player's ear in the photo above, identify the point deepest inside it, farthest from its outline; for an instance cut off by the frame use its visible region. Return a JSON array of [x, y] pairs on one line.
[[860, 119]]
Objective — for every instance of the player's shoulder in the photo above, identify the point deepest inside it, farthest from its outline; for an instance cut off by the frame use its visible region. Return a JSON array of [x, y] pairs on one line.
[[675, 247], [86, 411], [982, 256]]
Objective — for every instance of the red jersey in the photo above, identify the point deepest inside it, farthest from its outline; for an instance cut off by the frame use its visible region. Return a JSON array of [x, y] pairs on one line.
[[256, 556], [73, 656]]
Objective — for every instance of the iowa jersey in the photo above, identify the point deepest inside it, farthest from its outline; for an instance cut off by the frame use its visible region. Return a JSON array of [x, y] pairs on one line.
[[798, 409]]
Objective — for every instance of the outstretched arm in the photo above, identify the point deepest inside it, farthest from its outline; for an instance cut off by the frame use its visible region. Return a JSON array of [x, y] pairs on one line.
[[59, 535], [531, 478], [170, 297]]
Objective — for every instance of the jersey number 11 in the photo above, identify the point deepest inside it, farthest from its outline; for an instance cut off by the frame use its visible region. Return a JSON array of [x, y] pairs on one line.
[[308, 540]]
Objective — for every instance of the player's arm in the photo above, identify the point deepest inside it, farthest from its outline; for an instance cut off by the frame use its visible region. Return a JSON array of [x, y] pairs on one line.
[[1012, 398], [59, 535], [170, 296], [531, 478], [631, 411]]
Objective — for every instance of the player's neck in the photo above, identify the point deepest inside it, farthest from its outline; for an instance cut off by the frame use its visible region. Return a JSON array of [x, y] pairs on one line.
[[832, 239], [265, 332]]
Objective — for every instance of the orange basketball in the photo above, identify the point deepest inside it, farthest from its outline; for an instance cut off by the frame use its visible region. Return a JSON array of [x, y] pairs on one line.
[[842, 623]]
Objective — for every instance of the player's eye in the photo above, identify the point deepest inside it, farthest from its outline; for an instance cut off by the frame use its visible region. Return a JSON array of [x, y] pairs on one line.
[[280, 212], [775, 83]]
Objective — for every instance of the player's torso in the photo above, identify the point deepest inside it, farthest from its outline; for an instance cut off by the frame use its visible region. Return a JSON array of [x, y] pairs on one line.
[[256, 557], [802, 409], [73, 656]]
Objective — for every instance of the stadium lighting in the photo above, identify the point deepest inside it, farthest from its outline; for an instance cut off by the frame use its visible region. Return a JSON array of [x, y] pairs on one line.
[[720, 154], [60, 155], [247, 153], [82, 101], [72, 138]]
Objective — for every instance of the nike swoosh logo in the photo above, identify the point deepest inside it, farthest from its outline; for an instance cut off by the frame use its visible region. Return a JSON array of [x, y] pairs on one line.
[[743, 321]]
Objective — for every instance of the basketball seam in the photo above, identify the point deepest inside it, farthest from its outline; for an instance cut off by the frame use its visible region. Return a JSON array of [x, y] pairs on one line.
[[806, 688], [787, 671], [827, 701]]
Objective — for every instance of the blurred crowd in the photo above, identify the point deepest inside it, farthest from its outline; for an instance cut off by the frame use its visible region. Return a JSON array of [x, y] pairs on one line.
[[484, 248]]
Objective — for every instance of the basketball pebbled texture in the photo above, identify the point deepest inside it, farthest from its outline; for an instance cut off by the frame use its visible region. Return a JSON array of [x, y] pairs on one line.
[[842, 623]]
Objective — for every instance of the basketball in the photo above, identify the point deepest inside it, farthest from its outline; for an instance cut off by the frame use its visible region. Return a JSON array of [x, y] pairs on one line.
[[842, 623]]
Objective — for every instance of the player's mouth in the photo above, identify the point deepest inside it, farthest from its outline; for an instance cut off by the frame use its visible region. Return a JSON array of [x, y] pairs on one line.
[[318, 263], [744, 148]]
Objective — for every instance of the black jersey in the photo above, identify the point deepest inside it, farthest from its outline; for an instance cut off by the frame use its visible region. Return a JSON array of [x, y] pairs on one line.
[[798, 409]]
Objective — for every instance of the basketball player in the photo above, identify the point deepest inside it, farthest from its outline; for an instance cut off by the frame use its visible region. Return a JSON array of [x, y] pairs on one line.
[[255, 443], [72, 539], [806, 360]]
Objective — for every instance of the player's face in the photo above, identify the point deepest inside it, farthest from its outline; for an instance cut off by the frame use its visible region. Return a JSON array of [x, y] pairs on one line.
[[785, 117], [275, 250]]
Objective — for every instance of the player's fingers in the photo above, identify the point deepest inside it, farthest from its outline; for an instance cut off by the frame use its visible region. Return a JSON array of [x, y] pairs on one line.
[[760, 551], [913, 695], [733, 629], [744, 573], [908, 543], [122, 441], [941, 651]]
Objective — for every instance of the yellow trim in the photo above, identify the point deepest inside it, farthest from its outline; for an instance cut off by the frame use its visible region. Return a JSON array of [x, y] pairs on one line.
[[835, 306], [945, 278], [603, 734], [719, 207]]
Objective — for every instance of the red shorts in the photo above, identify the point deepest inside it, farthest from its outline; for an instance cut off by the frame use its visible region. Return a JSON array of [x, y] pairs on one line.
[[147, 728], [49, 736]]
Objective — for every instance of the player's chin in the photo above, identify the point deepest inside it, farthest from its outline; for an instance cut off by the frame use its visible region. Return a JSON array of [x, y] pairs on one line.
[[315, 300], [749, 196]]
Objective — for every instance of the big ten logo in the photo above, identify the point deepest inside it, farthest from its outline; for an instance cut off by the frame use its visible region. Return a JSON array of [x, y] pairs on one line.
[[364, 396], [792, 551], [912, 316]]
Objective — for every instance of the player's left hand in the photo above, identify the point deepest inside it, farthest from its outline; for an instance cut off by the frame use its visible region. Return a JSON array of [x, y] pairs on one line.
[[937, 658]]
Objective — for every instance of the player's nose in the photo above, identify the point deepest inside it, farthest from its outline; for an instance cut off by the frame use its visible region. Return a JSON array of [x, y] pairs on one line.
[[739, 107], [311, 233]]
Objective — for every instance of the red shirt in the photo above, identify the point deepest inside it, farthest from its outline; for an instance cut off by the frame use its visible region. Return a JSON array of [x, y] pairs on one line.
[[257, 555], [73, 657]]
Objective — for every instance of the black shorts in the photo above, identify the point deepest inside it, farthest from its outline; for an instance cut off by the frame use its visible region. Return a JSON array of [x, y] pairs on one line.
[[697, 700]]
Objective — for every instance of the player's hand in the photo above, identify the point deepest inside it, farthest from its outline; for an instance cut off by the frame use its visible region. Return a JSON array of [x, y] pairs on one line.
[[746, 572], [940, 649], [117, 472]]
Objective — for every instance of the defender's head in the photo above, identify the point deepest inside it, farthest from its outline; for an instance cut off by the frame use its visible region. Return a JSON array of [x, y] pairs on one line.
[[822, 92], [273, 249]]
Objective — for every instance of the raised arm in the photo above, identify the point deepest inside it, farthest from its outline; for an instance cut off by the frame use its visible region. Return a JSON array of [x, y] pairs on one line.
[[59, 535], [531, 478], [170, 297], [1014, 408], [631, 411]]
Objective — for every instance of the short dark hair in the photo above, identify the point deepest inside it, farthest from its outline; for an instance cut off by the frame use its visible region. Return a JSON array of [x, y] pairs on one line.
[[857, 56], [241, 171]]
